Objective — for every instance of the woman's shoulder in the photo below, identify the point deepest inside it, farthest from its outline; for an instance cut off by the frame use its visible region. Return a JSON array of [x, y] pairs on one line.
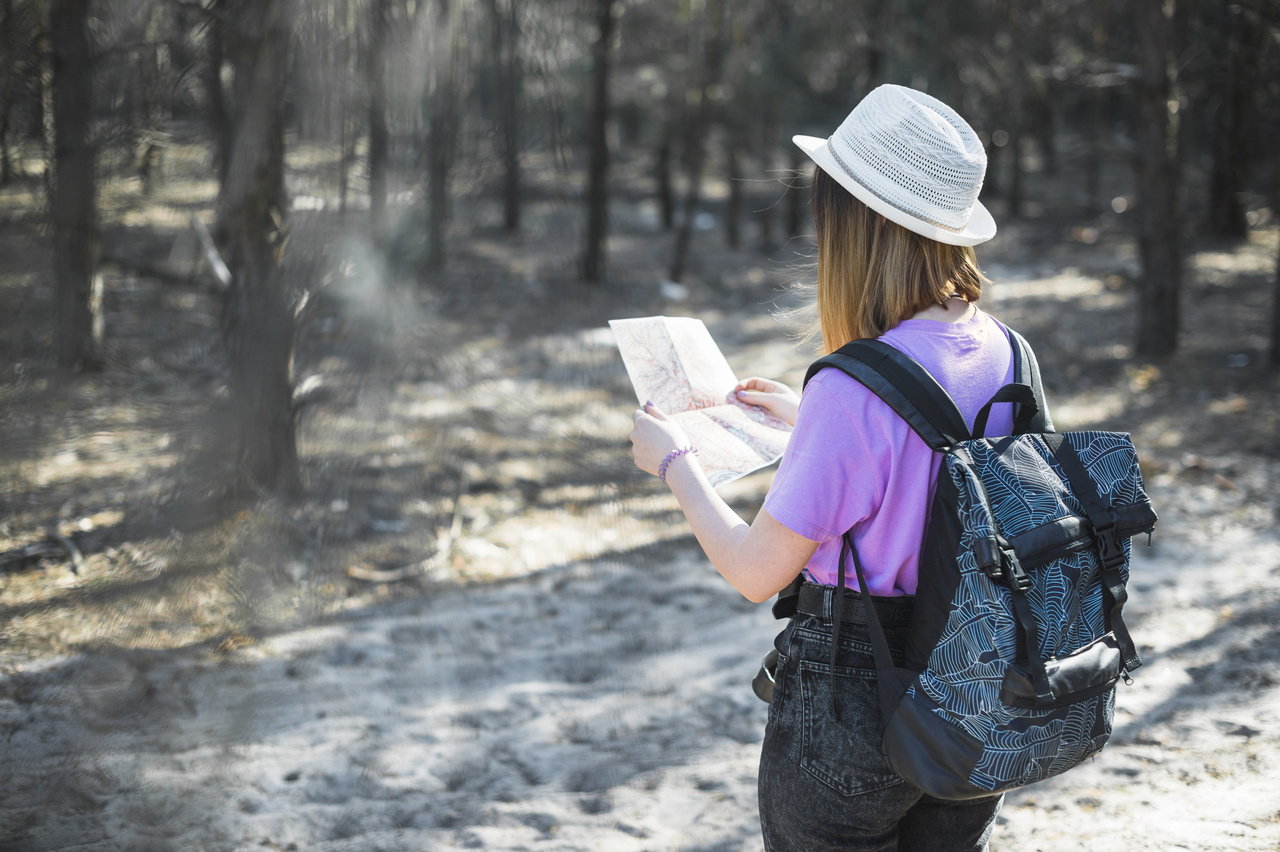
[[833, 394]]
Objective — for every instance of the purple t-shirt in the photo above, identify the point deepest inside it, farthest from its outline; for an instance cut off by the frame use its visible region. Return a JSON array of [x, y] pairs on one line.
[[851, 463]]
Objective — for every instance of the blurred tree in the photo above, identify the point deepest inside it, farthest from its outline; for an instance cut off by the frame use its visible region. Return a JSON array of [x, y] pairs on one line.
[[440, 109], [77, 287], [1232, 93], [14, 31], [215, 106], [598, 146], [1157, 118], [713, 36], [379, 135], [504, 33], [258, 318]]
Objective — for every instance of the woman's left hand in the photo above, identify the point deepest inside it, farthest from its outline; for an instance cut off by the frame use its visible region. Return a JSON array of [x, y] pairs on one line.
[[654, 436]]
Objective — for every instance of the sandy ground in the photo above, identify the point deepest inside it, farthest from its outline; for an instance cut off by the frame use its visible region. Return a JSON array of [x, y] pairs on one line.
[[597, 696], [601, 704]]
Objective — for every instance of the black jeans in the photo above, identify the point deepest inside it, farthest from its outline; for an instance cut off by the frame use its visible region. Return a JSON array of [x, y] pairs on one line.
[[823, 783]]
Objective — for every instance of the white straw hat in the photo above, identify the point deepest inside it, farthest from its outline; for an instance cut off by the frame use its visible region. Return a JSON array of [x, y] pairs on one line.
[[912, 159]]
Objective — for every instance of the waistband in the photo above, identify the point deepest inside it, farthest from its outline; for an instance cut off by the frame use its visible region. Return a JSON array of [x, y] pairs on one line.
[[817, 600]]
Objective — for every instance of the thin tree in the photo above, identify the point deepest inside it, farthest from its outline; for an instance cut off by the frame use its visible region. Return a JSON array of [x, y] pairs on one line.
[[695, 146], [598, 146], [216, 114], [258, 320], [1159, 201], [77, 288], [379, 136], [1240, 48], [504, 36], [441, 110]]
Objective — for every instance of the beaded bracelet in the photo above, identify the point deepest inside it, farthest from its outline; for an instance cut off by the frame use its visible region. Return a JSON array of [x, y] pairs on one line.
[[672, 456]]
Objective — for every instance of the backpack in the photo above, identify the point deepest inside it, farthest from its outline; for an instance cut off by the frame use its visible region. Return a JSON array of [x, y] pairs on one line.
[[1016, 641]]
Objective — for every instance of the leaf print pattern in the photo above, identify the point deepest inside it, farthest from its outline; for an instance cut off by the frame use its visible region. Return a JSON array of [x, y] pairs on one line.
[[1010, 486]]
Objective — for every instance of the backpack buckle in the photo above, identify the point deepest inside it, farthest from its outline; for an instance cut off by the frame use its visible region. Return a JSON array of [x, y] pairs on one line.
[[1016, 574], [1110, 545], [988, 555]]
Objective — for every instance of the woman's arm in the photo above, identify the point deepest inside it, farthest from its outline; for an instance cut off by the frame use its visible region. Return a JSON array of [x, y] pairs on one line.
[[759, 559]]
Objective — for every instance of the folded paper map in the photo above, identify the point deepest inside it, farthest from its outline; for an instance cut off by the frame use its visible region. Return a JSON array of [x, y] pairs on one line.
[[674, 363]]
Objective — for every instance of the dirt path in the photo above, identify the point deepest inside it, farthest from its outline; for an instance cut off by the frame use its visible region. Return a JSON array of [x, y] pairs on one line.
[[599, 698]]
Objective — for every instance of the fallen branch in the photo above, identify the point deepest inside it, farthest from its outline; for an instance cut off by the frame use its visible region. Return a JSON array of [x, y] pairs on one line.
[[53, 546], [211, 252]]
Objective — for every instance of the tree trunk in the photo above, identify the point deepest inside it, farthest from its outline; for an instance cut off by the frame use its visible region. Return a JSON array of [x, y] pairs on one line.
[[378, 134], [78, 291], [598, 168], [9, 70], [1275, 302], [505, 45], [733, 215], [695, 147], [1275, 317], [1232, 131], [258, 322], [346, 124], [1098, 100], [796, 196], [666, 195], [1160, 221], [1019, 98], [441, 134], [216, 113]]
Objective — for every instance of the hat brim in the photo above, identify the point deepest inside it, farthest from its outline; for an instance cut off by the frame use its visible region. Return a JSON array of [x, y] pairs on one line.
[[980, 228]]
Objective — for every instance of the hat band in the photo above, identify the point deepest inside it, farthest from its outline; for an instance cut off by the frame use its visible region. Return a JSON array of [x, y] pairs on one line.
[[848, 171]]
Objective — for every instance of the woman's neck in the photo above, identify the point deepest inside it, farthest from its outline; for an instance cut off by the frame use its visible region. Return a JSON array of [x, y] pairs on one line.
[[955, 310]]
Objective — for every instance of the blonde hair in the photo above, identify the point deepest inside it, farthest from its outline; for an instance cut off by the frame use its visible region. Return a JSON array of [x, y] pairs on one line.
[[873, 273]]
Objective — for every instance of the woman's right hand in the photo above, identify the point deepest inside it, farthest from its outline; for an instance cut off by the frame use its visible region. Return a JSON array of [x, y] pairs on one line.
[[774, 397]]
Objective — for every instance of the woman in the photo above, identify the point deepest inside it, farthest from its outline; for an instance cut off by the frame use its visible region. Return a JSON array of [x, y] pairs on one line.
[[896, 212]]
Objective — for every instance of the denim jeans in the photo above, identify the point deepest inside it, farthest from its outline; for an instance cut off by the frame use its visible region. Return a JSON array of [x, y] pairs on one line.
[[823, 782]]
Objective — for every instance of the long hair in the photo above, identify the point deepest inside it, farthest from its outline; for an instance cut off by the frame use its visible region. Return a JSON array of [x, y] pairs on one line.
[[873, 273]]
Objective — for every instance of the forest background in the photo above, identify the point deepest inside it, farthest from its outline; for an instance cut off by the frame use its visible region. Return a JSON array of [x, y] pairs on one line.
[[302, 326]]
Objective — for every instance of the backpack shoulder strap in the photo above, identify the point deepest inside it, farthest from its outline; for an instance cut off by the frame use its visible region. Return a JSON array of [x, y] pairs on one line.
[[903, 385], [1026, 371]]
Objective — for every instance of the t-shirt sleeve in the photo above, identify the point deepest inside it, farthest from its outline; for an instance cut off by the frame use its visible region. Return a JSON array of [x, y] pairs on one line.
[[827, 481]]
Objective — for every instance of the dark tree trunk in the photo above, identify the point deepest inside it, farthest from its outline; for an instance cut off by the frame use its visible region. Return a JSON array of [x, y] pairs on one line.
[[1019, 100], [695, 146], [1240, 49], [1275, 304], [1160, 221], [598, 168], [347, 53], [666, 194], [441, 134], [216, 113], [78, 291], [505, 44], [378, 134], [258, 321], [796, 194], [1275, 317], [1098, 99], [8, 84], [733, 215]]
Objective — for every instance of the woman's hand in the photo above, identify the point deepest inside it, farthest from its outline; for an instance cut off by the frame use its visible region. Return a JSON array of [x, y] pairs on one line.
[[774, 397], [654, 436]]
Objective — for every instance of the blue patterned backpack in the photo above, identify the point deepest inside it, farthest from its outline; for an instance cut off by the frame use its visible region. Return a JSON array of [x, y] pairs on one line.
[[1016, 642]]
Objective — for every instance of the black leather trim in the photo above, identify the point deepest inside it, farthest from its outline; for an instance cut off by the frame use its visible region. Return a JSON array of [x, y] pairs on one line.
[[1091, 671], [1074, 532], [931, 753]]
